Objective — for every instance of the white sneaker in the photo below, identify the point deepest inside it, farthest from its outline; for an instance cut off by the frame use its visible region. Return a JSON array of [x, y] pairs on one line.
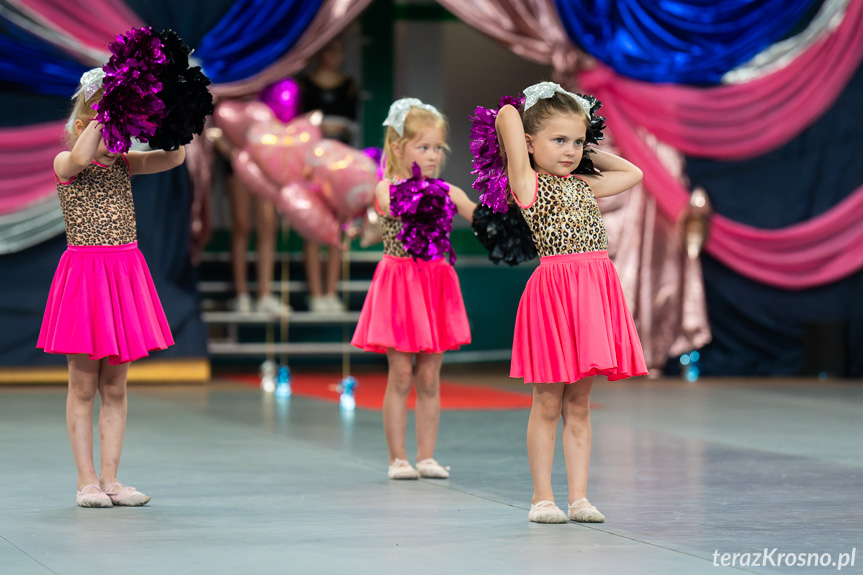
[[401, 469], [318, 304], [546, 512], [242, 303], [271, 304], [431, 469], [334, 304]]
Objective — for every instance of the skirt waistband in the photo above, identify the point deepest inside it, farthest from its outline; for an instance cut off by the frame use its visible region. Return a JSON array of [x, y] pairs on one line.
[[103, 249], [418, 261], [567, 258]]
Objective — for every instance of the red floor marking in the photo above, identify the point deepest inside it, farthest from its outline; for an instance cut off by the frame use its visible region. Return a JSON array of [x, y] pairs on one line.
[[370, 392]]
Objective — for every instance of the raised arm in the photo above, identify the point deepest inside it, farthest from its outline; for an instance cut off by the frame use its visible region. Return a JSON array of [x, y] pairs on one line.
[[69, 164], [155, 162], [463, 203], [618, 175], [522, 178]]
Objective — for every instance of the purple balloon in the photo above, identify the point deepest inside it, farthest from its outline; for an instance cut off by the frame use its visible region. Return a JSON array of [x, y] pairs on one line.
[[376, 154], [283, 98]]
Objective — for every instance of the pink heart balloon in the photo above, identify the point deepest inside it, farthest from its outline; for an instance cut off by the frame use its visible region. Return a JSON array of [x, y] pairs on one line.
[[308, 214], [347, 176], [235, 117], [251, 176], [280, 149]]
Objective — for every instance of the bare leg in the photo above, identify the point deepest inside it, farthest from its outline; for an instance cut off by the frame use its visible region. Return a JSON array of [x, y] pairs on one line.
[[312, 253], [266, 244], [428, 403], [395, 410], [239, 198], [112, 418], [83, 383], [334, 269], [576, 436], [541, 436]]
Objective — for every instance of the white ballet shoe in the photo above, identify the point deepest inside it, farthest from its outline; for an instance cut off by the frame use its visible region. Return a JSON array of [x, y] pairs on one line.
[[583, 512], [546, 512]]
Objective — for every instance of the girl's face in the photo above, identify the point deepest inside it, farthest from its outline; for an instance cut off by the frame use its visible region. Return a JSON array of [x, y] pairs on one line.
[[426, 149], [557, 148]]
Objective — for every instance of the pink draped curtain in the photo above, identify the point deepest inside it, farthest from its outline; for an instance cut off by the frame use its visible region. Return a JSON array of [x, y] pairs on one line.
[[26, 157], [106, 19]]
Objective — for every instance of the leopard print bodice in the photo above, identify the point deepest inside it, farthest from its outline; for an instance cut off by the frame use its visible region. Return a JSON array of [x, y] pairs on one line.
[[390, 228], [97, 206], [565, 218]]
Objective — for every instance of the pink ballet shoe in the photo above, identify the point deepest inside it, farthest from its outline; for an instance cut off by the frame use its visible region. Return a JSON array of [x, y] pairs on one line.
[[93, 496], [126, 496]]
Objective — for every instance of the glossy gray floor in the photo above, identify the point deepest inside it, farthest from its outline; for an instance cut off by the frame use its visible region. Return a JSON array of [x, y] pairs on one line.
[[243, 484]]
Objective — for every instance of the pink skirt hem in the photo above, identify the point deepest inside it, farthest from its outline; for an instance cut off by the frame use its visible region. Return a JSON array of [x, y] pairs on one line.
[[412, 306]]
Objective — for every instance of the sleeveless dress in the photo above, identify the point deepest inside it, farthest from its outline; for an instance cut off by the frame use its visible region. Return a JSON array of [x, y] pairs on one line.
[[572, 319], [412, 305], [102, 300]]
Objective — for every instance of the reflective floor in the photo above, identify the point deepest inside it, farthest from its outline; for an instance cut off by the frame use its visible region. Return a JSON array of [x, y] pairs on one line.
[[241, 483]]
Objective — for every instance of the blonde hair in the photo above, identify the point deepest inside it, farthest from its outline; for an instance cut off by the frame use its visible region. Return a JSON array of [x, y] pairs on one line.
[[82, 109], [537, 116], [416, 120]]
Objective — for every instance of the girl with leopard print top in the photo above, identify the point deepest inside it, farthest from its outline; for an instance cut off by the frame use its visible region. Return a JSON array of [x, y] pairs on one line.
[[103, 310], [572, 322]]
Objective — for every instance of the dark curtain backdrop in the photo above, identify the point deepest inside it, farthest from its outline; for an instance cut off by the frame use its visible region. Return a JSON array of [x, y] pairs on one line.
[[758, 329]]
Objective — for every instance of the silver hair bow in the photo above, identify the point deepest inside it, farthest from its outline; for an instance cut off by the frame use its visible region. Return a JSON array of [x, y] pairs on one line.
[[543, 90], [91, 81], [399, 111]]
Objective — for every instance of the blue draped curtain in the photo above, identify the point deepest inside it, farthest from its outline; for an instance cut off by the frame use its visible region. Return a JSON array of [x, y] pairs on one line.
[[678, 41]]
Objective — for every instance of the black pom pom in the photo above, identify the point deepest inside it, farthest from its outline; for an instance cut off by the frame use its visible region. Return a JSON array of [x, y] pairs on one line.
[[185, 93], [505, 235]]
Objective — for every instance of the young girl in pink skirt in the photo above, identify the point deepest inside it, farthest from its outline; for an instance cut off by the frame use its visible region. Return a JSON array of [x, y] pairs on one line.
[[103, 311], [414, 310], [572, 322]]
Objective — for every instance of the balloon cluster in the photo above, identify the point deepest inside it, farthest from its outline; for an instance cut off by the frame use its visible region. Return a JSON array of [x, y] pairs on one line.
[[317, 184]]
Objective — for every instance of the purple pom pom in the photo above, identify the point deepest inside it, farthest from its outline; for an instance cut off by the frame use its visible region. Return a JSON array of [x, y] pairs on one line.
[[426, 211], [131, 106], [488, 164]]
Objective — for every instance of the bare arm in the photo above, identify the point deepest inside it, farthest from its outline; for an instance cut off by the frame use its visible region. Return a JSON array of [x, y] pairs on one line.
[[463, 203], [382, 195], [618, 175], [155, 162], [522, 178], [69, 164]]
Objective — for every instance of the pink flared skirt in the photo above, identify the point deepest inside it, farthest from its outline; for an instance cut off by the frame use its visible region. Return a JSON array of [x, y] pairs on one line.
[[103, 303], [573, 322], [413, 306]]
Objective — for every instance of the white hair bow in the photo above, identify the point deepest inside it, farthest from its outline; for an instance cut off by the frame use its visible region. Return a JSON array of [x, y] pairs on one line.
[[543, 90], [91, 81], [399, 111]]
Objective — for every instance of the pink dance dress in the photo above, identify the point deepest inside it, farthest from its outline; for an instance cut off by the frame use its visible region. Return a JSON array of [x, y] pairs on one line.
[[102, 300], [572, 319], [412, 305]]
